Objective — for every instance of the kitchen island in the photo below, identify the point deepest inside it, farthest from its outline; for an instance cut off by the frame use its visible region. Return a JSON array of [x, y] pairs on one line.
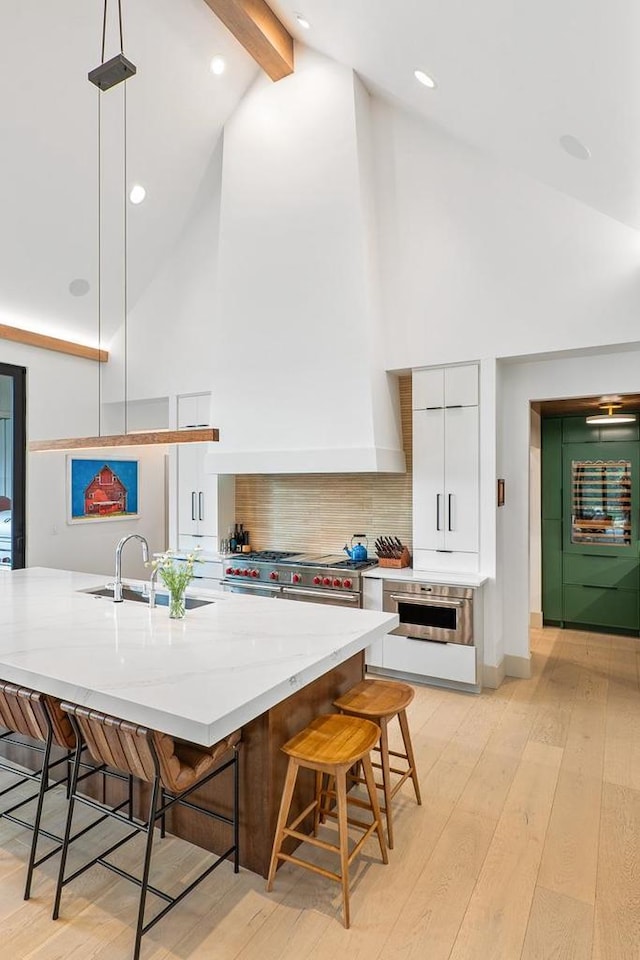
[[259, 664]]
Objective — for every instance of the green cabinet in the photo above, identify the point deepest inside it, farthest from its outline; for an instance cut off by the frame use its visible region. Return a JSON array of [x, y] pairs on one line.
[[590, 525]]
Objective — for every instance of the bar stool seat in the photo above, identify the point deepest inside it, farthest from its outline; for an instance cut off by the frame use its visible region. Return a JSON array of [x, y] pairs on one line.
[[330, 745], [380, 701], [175, 769]]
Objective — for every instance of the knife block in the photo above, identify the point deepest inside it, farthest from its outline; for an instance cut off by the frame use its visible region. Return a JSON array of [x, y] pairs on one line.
[[404, 560]]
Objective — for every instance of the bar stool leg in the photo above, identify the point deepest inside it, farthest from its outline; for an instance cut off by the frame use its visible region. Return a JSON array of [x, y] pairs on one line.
[[341, 798], [375, 806], [316, 812], [386, 777], [67, 829], [283, 814], [155, 792], [408, 746], [236, 810], [44, 783]]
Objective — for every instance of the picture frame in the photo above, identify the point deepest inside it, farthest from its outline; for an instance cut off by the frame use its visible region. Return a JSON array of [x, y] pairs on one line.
[[102, 489]]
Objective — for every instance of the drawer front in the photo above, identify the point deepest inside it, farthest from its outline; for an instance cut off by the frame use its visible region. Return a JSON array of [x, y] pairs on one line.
[[601, 606], [602, 571], [444, 661]]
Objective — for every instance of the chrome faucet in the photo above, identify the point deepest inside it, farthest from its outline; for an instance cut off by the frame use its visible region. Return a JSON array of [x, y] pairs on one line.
[[117, 584], [152, 587]]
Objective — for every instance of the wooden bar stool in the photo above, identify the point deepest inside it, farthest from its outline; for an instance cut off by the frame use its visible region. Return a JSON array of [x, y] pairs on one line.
[[381, 701], [329, 745]]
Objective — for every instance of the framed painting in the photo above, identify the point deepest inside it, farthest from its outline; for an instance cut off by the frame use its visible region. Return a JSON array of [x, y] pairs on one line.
[[102, 489]]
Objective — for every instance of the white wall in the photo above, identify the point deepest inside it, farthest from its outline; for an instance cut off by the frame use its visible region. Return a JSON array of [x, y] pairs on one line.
[[62, 402], [90, 546], [478, 260], [559, 377]]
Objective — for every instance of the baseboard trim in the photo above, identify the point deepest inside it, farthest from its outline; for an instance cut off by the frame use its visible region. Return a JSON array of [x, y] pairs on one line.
[[492, 677], [535, 619], [517, 667]]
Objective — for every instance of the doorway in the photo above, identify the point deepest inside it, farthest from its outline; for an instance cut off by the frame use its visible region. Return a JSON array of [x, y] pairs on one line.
[[590, 530], [12, 466]]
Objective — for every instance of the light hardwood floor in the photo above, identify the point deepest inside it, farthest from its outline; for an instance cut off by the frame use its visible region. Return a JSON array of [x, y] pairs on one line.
[[527, 846]]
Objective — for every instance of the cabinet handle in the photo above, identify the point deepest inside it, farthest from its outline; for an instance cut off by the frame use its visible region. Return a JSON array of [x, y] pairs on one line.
[[193, 505], [201, 506], [598, 586], [437, 511], [449, 499]]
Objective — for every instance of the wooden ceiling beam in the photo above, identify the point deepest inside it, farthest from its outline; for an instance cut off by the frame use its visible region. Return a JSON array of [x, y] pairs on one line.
[[254, 24], [32, 339]]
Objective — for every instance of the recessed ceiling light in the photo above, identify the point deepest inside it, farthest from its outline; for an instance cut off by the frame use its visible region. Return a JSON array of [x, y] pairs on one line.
[[424, 79], [304, 23], [574, 147], [138, 193], [218, 65]]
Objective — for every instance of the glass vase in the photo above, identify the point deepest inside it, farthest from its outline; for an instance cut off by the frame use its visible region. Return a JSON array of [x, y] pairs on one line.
[[177, 606]]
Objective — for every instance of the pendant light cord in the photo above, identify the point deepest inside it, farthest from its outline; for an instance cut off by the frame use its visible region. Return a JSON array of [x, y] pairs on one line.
[[104, 27], [126, 270], [99, 271]]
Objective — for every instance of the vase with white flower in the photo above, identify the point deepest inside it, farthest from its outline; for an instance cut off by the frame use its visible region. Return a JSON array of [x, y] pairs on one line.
[[176, 573]]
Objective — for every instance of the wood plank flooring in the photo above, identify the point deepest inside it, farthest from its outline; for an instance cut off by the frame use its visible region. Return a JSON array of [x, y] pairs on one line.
[[527, 846]]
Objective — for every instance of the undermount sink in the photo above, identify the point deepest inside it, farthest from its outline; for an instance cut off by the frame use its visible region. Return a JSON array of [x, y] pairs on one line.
[[162, 599]]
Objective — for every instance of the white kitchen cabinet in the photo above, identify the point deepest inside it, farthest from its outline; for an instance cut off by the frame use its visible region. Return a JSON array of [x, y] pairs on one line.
[[432, 661], [194, 410], [206, 501], [446, 469], [445, 387], [372, 600]]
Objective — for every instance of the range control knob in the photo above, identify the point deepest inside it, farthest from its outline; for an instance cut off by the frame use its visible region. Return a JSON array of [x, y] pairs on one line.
[[237, 572], [337, 583], [255, 573], [246, 573], [296, 578], [317, 581], [273, 575], [347, 584], [229, 571], [327, 581]]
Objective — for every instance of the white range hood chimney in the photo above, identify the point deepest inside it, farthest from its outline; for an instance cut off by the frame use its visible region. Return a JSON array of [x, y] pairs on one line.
[[300, 384]]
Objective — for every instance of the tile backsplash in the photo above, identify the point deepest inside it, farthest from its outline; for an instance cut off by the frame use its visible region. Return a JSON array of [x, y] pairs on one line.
[[321, 511]]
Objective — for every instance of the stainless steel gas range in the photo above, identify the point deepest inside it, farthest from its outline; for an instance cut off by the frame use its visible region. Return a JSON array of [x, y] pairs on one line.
[[331, 578]]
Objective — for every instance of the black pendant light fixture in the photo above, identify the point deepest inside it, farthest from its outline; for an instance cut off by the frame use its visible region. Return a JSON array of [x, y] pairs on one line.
[[108, 74], [117, 69]]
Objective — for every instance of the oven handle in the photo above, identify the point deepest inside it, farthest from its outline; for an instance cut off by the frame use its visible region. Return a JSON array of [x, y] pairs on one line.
[[330, 595], [426, 601], [249, 586]]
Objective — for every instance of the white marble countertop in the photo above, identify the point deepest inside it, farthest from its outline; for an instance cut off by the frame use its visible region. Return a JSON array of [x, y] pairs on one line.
[[447, 577], [199, 678]]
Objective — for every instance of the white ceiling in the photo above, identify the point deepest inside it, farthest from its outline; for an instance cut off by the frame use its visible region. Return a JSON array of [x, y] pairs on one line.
[[513, 76], [48, 131]]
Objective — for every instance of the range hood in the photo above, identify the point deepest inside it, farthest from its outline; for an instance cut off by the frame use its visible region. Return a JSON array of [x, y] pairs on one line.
[[280, 434], [300, 384]]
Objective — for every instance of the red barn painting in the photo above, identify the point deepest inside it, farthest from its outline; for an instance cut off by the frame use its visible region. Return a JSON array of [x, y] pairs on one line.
[[106, 494]]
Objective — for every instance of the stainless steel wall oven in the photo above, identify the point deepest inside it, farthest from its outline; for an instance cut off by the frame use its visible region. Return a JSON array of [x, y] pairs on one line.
[[430, 611]]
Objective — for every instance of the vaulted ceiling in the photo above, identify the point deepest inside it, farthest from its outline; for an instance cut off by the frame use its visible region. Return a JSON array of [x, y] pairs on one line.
[[512, 78]]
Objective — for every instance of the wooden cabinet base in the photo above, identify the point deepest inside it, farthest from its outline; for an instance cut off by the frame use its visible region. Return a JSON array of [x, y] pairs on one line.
[[262, 772]]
